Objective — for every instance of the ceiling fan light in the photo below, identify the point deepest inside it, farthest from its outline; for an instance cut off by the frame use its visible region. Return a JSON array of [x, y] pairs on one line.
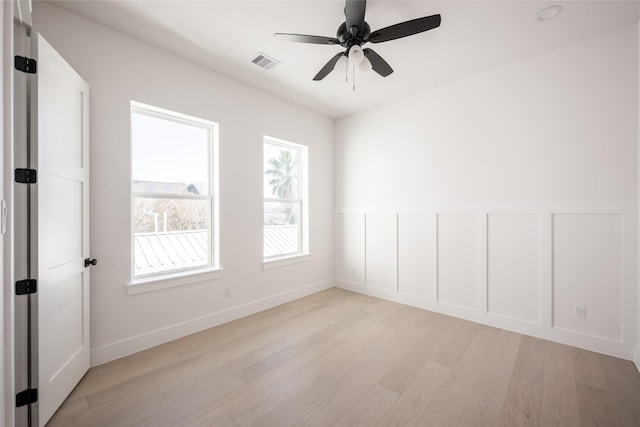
[[365, 65], [356, 55]]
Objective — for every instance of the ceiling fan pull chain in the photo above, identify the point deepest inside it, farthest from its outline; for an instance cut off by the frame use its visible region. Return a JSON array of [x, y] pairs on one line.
[[346, 71], [354, 77]]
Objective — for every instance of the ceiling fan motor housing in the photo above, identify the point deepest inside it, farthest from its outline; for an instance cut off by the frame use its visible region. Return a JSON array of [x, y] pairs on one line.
[[347, 39]]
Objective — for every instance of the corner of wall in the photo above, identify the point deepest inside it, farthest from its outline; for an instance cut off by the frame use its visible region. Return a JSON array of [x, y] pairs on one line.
[[637, 350]]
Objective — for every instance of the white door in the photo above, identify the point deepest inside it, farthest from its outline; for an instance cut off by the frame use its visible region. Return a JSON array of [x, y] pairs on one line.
[[60, 153]]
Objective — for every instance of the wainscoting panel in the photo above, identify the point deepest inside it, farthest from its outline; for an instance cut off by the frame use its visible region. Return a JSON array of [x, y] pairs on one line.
[[380, 244], [350, 247], [522, 270], [415, 254], [457, 259], [588, 271], [513, 266]]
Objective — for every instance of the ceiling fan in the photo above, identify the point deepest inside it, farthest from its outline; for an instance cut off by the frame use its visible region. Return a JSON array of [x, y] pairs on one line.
[[355, 32]]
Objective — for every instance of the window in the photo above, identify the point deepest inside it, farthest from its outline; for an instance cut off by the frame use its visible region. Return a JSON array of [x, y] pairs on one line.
[[285, 200], [173, 193]]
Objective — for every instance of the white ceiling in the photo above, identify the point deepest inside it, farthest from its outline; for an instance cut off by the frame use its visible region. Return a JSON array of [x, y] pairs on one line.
[[474, 36]]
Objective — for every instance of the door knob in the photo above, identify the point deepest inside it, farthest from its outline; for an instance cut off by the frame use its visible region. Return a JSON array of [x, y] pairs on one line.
[[90, 261]]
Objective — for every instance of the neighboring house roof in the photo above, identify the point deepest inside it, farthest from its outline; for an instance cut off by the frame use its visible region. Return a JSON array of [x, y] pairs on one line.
[[173, 250], [280, 240], [179, 250], [199, 187]]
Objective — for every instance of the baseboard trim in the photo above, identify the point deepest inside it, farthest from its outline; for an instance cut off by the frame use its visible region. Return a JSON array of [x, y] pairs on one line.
[[637, 357], [118, 349]]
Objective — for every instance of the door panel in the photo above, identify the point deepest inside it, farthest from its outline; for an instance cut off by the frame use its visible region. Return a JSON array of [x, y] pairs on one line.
[[66, 121], [60, 118], [64, 244], [68, 294]]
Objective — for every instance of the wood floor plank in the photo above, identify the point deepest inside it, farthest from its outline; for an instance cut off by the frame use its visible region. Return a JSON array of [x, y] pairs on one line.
[[402, 375], [273, 360], [268, 391], [523, 401], [479, 413], [299, 406], [191, 370], [370, 408], [227, 422], [456, 344], [624, 380], [169, 408], [412, 403], [490, 390], [522, 404], [494, 378], [363, 379], [589, 368], [341, 358], [303, 372], [597, 407], [403, 317], [294, 326], [530, 361], [250, 403], [559, 398], [447, 405], [70, 413]]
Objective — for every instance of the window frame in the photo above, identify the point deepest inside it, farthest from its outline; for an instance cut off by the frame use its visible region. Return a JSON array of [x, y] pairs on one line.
[[302, 202], [169, 278]]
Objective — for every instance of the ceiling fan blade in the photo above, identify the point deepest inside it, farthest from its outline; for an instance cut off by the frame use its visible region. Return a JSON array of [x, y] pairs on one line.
[[304, 38], [328, 67], [404, 29], [354, 12], [378, 64]]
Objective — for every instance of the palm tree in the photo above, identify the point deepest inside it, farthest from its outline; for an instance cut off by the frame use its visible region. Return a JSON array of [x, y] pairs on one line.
[[284, 173], [284, 176]]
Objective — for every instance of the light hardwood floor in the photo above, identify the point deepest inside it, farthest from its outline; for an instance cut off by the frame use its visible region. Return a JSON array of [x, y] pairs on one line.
[[344, 359]]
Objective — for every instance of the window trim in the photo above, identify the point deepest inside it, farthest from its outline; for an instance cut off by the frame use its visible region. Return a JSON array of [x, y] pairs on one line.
[[171, 280], [212, 270], [303, 205], [285, 260]]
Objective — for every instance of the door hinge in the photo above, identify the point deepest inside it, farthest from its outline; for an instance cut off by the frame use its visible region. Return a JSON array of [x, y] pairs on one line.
[[26, 176], [26, 397], [26, 65], [26, 286]]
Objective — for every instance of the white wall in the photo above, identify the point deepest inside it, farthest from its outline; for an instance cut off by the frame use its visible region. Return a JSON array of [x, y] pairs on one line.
[[119, 69], [512, 196]]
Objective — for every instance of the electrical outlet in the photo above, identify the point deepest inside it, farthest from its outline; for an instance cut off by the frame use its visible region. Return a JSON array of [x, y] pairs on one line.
[[227, 292], [580, 311]]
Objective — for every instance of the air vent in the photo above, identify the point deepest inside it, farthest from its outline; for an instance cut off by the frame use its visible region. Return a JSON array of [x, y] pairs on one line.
[[264, 61]]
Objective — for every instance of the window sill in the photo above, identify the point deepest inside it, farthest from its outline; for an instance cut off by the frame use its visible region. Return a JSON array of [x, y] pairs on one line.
[[281, 262], [156, 283]]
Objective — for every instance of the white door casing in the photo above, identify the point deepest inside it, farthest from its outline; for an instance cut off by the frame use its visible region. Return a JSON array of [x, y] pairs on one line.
[[60, 225]]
